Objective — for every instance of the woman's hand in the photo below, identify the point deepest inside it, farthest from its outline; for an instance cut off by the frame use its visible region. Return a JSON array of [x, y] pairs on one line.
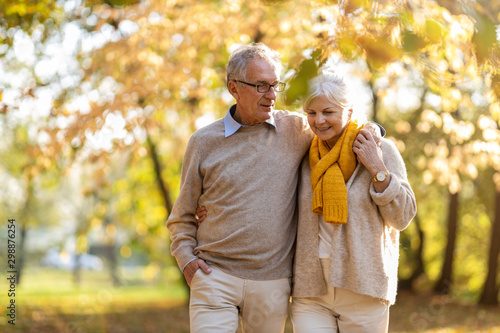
[[201, 214], [369, 154], [375, 130]]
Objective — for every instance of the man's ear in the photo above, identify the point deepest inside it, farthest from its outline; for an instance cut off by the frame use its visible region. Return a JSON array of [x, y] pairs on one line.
[[233, 89]]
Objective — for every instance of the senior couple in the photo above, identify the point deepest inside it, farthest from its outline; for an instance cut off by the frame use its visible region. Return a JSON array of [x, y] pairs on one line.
[[258, 171]]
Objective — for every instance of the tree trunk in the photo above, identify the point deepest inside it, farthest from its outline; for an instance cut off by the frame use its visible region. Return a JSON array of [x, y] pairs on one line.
[[489, 296], [23, 226], [21, 252], [77, 276], [113, 264], [419, 269], [420, 258], [162, 186], [164, 191], [444, 282], [110, 252], [375, 102]]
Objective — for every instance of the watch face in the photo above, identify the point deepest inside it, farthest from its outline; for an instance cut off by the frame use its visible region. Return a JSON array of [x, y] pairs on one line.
[[380, 176]]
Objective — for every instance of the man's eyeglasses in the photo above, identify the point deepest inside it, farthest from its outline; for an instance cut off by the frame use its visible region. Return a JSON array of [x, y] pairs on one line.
[[264, 87]]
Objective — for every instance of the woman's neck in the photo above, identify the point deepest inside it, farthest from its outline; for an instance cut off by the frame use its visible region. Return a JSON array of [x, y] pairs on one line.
[[331, 143], [328, 145]]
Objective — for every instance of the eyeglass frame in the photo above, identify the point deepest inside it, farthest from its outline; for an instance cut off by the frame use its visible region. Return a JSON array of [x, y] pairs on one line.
[[264, 84]]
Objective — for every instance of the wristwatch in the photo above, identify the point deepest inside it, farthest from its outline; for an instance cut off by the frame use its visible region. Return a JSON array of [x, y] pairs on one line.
[[380, 176]]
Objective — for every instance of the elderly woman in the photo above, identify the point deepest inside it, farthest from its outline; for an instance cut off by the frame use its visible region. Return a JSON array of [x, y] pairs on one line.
[[346, 262]]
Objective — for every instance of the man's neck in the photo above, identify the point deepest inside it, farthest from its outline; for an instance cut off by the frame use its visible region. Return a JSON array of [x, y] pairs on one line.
[[237, 116]]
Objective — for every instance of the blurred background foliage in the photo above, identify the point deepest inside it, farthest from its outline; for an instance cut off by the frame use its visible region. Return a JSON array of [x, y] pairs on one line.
[[98, 100]]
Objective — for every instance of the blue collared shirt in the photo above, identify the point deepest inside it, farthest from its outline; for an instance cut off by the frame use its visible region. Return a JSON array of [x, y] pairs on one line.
[[231, 125]]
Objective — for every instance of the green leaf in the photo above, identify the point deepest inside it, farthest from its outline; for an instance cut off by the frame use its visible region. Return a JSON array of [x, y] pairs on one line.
[[298, 84], [484, 38], [412, 42]]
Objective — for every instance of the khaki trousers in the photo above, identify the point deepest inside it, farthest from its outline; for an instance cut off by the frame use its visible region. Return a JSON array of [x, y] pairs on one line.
[[340, 310], [218, 300]]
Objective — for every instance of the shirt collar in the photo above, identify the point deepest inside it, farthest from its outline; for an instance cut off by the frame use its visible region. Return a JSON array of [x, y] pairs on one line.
[[231, 125]]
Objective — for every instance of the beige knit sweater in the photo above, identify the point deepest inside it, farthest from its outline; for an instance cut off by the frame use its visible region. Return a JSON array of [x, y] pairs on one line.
[[248, 182], [365, 251]]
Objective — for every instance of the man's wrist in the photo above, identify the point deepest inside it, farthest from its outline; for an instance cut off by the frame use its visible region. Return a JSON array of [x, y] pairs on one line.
[[183, 268]]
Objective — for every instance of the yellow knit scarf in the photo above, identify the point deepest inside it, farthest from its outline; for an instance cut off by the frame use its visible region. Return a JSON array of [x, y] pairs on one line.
[[331, 169]]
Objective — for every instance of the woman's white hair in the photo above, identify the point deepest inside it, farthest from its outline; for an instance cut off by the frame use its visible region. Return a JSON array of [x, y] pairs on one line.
[[237, 65], [333, 87]]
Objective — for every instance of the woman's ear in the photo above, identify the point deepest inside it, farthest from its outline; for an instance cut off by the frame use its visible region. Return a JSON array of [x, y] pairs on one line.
[[349, 114], [233, 89]]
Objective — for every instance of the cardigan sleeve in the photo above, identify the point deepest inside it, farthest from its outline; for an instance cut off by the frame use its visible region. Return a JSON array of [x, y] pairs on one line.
[[397, 204], [182, 220]]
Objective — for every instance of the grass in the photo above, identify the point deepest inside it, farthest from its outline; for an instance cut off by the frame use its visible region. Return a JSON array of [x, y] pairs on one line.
[[47, 301]]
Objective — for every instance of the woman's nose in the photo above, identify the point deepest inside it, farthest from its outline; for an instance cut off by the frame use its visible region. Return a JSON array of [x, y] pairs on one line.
[[320, 119]]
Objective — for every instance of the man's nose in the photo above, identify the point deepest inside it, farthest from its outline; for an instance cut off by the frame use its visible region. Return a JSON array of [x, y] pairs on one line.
[[271, 94]]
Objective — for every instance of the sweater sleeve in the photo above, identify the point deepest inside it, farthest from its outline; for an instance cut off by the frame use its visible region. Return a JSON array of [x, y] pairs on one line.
[[182, 220], [397, 204]]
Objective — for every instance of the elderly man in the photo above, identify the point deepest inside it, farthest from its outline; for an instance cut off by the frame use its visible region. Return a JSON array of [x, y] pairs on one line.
[[244, 170]]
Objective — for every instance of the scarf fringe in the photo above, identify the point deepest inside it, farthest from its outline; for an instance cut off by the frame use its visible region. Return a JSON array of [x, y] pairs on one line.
[[336, 214]]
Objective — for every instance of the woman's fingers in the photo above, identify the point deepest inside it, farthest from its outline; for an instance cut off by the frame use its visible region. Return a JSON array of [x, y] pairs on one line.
[[201, 214]]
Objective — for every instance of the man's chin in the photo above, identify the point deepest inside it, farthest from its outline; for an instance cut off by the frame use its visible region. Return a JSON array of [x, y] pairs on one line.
[[265, 115], [267, 109]]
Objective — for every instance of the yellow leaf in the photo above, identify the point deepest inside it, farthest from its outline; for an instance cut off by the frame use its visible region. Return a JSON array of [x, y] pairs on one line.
[[82, 244], [495, 111], [434, 31], [495, 85], [347, 46], [125, 251], [379, 52]]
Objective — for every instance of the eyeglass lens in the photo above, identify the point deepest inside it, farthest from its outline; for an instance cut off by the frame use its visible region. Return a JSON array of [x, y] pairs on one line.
[[264, 87]]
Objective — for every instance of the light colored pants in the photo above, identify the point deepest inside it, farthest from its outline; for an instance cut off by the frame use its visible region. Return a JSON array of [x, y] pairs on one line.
[[218, 300], [340, 310]]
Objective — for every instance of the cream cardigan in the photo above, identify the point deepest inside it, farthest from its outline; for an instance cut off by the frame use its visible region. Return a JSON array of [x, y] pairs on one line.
[[365, 252]]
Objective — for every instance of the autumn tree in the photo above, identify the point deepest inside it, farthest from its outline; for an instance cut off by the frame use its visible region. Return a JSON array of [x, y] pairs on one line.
[[444, 49], [149, 73]]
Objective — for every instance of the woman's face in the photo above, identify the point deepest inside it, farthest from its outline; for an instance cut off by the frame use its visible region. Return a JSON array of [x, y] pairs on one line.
[[326, 119]]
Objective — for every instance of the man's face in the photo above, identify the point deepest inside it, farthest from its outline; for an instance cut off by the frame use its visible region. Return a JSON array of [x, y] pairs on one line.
[[253, 107]]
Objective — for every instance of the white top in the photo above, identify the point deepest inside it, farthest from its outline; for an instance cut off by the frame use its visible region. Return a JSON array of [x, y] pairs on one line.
[[325, 238]]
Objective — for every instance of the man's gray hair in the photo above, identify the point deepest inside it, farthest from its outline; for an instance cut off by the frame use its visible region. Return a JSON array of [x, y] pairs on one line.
[[237, 65]]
